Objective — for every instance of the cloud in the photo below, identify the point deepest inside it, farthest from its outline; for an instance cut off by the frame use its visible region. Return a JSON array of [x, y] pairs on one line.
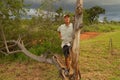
[[69, 5], [68, 1], [33, 1], [100, 2]]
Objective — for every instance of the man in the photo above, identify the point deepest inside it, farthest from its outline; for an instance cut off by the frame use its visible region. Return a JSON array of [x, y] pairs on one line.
[[65, 33]]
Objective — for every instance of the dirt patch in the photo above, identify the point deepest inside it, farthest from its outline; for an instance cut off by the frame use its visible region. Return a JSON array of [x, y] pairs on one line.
[[88, 35]]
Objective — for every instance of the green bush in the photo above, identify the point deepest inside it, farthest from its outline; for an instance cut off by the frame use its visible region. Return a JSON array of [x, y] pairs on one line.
[[45, 35], [43, 32]]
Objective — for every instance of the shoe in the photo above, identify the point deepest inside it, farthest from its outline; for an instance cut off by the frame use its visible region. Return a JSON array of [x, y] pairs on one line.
[[66, 72]]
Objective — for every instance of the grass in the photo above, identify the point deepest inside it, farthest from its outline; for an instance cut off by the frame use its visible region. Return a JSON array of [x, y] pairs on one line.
[[101, 27], [96, 61], [27, 71]]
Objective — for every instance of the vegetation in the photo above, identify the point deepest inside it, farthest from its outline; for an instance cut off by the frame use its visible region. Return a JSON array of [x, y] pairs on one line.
[[40, 35], [96, 61], [92, 14], [10, 10], [101, 27]]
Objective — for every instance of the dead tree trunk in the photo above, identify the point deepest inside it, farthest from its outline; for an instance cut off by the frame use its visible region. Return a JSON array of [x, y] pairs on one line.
[[76, 41], [74, 73]]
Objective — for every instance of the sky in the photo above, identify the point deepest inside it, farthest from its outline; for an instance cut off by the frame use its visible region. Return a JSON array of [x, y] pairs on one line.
[[112, 7]]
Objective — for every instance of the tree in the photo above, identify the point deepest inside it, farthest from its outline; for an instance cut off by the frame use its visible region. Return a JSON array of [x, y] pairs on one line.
[[85, 17], [59, 11], [9, 11], [105, 20], [74, 73], [94, 12]]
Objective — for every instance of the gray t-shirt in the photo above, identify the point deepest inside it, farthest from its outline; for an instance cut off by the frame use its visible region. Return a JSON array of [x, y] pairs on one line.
[[66, 34]]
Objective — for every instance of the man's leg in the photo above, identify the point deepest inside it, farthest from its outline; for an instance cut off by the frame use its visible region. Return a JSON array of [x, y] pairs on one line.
[[67, 56]]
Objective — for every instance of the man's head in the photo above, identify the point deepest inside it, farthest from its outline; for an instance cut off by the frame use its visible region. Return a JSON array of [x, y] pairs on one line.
[[67, 19]]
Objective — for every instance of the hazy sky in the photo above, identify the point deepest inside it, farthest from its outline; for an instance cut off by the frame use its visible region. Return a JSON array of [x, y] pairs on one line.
[[86, 2], [112, 6]]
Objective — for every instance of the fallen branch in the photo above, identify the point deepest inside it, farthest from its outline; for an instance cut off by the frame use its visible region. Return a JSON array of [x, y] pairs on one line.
[[42, 58]]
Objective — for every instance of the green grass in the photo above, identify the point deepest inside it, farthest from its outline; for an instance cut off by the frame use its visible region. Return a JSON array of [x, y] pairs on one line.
[[101, 27], [96, 61]]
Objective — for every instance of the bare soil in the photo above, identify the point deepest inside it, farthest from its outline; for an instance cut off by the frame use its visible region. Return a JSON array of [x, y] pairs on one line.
[[88, 35]]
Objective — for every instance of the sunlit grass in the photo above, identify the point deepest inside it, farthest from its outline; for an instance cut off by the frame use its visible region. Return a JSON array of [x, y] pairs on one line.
[[96, 60]]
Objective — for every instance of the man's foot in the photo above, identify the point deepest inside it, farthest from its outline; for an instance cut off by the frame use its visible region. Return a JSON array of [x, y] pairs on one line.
[[66, 71]]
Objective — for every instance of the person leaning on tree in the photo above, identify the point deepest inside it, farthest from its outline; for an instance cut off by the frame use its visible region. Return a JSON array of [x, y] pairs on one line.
[[65, 32]]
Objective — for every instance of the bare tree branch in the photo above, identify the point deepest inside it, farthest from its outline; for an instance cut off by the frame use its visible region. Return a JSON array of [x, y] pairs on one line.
[[29, 54], [22, 49], [3, 52], [4, 39], [10, 46], [13, 52], [19, 39]]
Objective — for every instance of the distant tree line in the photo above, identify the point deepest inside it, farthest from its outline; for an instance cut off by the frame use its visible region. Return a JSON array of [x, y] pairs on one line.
[[91, 15]]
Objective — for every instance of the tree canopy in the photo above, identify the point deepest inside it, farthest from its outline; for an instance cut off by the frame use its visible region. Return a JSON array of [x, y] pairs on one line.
[[94, 12], [10, 9]]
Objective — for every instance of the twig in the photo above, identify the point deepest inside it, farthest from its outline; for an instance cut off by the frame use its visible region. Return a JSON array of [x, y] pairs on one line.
[[3, 52]]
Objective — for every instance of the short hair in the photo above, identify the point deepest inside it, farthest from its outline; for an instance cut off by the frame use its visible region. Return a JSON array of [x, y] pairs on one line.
[[67, 15]]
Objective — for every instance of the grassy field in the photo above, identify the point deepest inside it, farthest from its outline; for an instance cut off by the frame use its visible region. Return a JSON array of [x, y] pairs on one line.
[[96, 62]]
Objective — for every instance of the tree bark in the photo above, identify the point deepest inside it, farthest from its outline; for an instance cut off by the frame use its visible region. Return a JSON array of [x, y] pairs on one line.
[[76, 38], [29, 54], [4, 38], [74, 72]]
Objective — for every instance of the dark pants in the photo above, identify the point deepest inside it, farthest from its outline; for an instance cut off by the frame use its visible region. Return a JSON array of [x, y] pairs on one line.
[[66, 50]]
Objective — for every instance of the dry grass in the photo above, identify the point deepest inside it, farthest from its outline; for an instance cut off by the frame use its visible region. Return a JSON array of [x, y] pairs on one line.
[[96, 63]]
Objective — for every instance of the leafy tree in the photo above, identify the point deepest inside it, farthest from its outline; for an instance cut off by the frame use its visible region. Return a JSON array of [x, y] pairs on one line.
[[105, 19], [85, 17], [10, 9], [59, 11], [94, 12], [10, 12]]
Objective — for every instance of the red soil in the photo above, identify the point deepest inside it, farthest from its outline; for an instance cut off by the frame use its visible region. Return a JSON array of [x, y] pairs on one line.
[[83, 36], [88, 35]]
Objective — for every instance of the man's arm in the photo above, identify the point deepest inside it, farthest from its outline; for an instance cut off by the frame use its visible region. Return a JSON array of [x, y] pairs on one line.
[[60, 35]]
